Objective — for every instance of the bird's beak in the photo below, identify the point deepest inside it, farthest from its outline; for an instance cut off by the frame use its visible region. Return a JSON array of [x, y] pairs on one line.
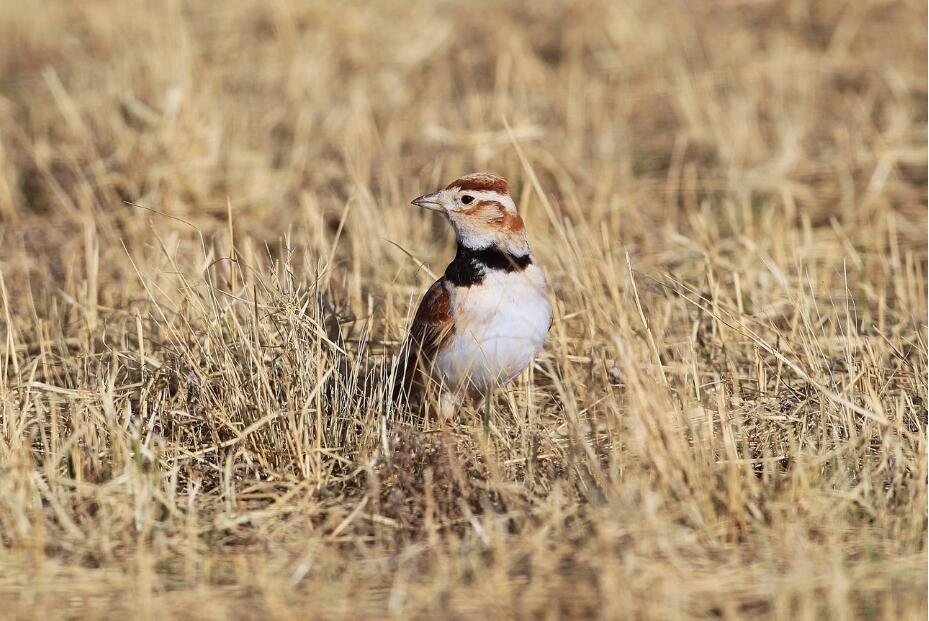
[[429, 201]]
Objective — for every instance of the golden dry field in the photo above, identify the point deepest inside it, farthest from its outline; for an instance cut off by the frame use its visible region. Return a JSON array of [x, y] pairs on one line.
[[208, 261]]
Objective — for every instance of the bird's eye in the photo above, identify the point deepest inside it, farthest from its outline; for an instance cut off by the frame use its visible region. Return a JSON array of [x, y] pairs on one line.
[[467, 199]]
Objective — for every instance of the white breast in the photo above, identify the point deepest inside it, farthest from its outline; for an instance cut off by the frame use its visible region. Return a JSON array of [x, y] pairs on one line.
[[500, 326]]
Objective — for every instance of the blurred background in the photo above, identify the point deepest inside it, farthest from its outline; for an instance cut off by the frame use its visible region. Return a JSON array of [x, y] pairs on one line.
[[638, 115], [766, 156]]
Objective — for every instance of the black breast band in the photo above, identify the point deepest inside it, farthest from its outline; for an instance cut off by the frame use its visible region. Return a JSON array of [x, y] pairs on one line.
[[470, 266]]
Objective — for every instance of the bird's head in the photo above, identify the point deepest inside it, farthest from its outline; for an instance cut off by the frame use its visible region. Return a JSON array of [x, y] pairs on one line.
[[482, 213]]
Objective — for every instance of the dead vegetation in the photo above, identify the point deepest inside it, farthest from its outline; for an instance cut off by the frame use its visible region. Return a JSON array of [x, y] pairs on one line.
[[728, 422]]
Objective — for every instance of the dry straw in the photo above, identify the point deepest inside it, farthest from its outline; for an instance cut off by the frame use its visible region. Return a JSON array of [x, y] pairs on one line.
[[207, 261]]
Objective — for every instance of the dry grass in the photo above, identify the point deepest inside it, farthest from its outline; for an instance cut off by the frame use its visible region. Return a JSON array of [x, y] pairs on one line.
[[729, 419]]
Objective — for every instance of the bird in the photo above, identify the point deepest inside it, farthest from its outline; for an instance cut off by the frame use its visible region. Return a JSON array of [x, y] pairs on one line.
[[484, 321]]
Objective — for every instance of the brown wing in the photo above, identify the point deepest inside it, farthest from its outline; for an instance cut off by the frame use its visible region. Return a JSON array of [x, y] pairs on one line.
[[432, 325]]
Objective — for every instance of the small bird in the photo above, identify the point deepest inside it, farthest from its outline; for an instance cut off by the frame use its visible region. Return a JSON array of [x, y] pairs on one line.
[[481, 324]]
